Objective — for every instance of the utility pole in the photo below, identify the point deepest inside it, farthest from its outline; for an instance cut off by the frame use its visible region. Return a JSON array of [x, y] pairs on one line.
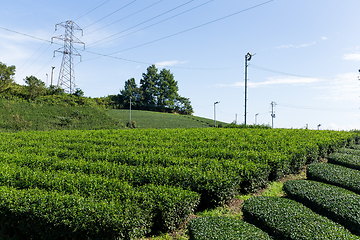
[[52, 75], [67, 73], [273, 104], [248, 57], [215, 112], [130, 114]]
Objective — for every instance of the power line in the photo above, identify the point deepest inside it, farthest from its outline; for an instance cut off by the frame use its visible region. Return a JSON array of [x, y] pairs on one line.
[[125, 17], [111, 13], [36, 59], [161, 21], [92, 10], [279, 72], [95, 43], [320, 108], [33, 55], [189, 29]]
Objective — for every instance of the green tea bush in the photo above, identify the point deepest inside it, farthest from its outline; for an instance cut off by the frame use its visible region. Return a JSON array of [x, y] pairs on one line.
[[169, 205], [335, 175], [349, 151], [38, 214], [346, 160], [223, 228], [287, 219], [338, 204]]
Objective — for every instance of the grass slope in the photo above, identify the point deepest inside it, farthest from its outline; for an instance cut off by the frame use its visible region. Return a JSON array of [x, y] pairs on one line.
[[147, 119], [22, 115], [17, 116]]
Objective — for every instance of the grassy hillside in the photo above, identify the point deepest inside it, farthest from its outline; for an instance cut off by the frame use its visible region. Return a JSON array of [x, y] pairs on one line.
[[23, 115], [146, 119]]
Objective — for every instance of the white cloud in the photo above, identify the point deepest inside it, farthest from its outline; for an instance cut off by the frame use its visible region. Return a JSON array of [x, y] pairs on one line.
[[323, 38], [168, 63], [296, 46], [276, 81], [284, 81], [334, 126], [343, 87], [352, 56]]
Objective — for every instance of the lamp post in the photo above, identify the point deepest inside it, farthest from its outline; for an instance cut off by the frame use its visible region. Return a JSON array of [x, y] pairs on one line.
[[247, 58], [256, 118], [215, 112], [318, 126]]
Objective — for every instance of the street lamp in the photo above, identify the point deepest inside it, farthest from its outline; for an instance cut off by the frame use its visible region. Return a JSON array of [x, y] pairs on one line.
[[248, 57], [256, 118], [318, 126], [215, 112]]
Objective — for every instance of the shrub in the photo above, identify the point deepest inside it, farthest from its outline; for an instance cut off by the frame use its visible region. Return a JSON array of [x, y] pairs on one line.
[[223, 228], [338, 204], [346, 160], [287, 219], [335, 174], [38, 214]]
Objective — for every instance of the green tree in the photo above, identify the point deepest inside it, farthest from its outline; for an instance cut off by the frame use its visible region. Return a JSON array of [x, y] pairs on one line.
[[6, 76], [148, 86], [167, 90], [131, 90], [183, 106], [35, 87]]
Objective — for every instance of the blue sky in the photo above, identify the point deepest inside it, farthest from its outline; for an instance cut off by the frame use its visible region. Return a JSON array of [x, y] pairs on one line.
[[307, 53]]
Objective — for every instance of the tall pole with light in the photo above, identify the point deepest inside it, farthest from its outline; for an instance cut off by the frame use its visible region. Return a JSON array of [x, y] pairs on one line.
[[215, 112], [256, 118], [248, 57]]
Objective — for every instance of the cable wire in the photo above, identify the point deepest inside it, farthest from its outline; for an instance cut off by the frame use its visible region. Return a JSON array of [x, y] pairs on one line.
[[111, 13], [125, 17], [196, 27], [92, 10], [319, 108], [160, 21], [95, 43]]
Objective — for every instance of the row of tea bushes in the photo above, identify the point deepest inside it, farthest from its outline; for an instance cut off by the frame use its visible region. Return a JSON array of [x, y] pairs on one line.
[[38, 214], [169, 205], [345, 159], [160, 172], [335, 175], [338, 204], [287, 219], [224, 228]]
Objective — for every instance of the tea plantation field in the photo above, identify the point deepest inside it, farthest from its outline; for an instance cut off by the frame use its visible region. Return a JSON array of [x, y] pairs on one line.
[[128, 184]]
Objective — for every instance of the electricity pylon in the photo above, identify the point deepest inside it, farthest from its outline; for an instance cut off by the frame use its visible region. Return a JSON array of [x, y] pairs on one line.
[[67, 74]]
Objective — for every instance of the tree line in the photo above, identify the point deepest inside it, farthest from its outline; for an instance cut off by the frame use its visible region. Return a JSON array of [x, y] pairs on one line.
[[158, 91]]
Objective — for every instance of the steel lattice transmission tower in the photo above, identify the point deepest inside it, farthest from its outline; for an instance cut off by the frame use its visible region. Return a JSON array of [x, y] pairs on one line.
[[67, 74]]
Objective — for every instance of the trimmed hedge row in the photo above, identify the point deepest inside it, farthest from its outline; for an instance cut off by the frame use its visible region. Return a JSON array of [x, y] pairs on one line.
[[216, 181], [287, 219], [335, 175], [346, 160], [38, 214], [349, 151], [223, 228], [338, 204], [169, 205]]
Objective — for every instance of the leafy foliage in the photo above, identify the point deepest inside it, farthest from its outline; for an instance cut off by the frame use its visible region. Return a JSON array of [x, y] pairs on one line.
[[287, 219], [338, 204], [6, 76], [223, 228], [345, 159], [335, 174]]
